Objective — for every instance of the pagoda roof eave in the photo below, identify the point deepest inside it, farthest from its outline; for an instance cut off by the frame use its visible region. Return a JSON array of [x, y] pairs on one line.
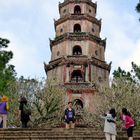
[[77, 37], [78, 17], [79, 60]]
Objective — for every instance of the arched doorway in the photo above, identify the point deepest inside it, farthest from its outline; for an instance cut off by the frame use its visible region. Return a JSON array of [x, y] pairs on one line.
[[78, 104]]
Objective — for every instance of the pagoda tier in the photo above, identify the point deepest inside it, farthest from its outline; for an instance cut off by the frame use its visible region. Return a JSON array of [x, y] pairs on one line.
[[77, 60], [66, 2], [78, 17], [77, 37]]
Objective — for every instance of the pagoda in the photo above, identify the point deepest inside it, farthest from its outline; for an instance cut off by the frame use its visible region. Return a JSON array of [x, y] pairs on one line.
[[78, 52]]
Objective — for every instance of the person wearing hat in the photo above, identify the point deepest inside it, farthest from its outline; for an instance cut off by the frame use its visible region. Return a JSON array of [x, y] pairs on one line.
[[4, 110]]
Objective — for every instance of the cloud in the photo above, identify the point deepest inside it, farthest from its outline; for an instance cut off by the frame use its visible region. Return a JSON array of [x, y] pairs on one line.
[[25, 57], [28, 36], [9, 4], [122, 30], [134, 57], [136, 53]]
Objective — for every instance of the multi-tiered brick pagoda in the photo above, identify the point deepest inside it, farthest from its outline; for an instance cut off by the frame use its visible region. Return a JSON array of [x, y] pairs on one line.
[[78, 52]]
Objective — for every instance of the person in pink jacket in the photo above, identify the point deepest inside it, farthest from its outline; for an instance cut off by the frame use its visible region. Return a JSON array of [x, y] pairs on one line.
[[128, 123]]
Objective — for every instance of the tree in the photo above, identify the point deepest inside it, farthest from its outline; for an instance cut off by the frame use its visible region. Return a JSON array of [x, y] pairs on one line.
[[124, 94], [138, 7], [46, 99], [7, 72], [21, 87], [132, 76], [48, 105], [119, 73], [135, 72]]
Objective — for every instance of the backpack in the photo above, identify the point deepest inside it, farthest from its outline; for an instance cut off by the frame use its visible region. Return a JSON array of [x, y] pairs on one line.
[[27, 109]]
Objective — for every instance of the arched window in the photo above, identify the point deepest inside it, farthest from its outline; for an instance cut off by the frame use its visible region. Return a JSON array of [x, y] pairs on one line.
[[77, 50], [77, 76], [77, 28], [77, 9]]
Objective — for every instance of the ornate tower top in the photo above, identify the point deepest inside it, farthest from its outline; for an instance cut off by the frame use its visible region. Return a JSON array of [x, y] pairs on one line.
[[80, 7]]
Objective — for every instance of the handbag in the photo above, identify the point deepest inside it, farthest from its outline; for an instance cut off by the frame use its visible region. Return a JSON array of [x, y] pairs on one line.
[[7, 106]]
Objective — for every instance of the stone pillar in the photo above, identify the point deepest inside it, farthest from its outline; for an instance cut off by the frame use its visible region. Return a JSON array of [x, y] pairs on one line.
[[86, 74], [67, 74]]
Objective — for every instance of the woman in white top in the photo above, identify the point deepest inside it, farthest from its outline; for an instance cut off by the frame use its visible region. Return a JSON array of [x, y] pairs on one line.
[[110, 125]]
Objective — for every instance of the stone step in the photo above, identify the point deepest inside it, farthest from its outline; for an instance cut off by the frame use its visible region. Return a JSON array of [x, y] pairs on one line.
[[60, 138], [55, 131], [59, 134]]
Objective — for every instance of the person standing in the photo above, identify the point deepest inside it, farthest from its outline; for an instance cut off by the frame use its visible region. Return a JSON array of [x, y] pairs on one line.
[[4, 107], [24, 117], [1, 121], [110, 125], [70, 116], [128, 123]]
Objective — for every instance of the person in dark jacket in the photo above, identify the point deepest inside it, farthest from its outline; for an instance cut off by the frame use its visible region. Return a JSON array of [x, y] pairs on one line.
[[70, 116], [24, 118]]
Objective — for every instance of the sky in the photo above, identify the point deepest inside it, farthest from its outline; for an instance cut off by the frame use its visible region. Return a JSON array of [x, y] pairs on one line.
[[29, 24]]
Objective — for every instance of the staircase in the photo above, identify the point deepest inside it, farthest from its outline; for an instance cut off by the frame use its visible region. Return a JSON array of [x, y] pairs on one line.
[[58, 134]]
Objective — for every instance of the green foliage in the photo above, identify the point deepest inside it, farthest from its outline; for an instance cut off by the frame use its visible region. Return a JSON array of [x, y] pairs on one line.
[[7, 76], [7, 72], [48, 105], [123, 94], [16, 89], [28, 87], [119, 73], [132, 76], [138, 7], [135, 72], [13, 95]]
